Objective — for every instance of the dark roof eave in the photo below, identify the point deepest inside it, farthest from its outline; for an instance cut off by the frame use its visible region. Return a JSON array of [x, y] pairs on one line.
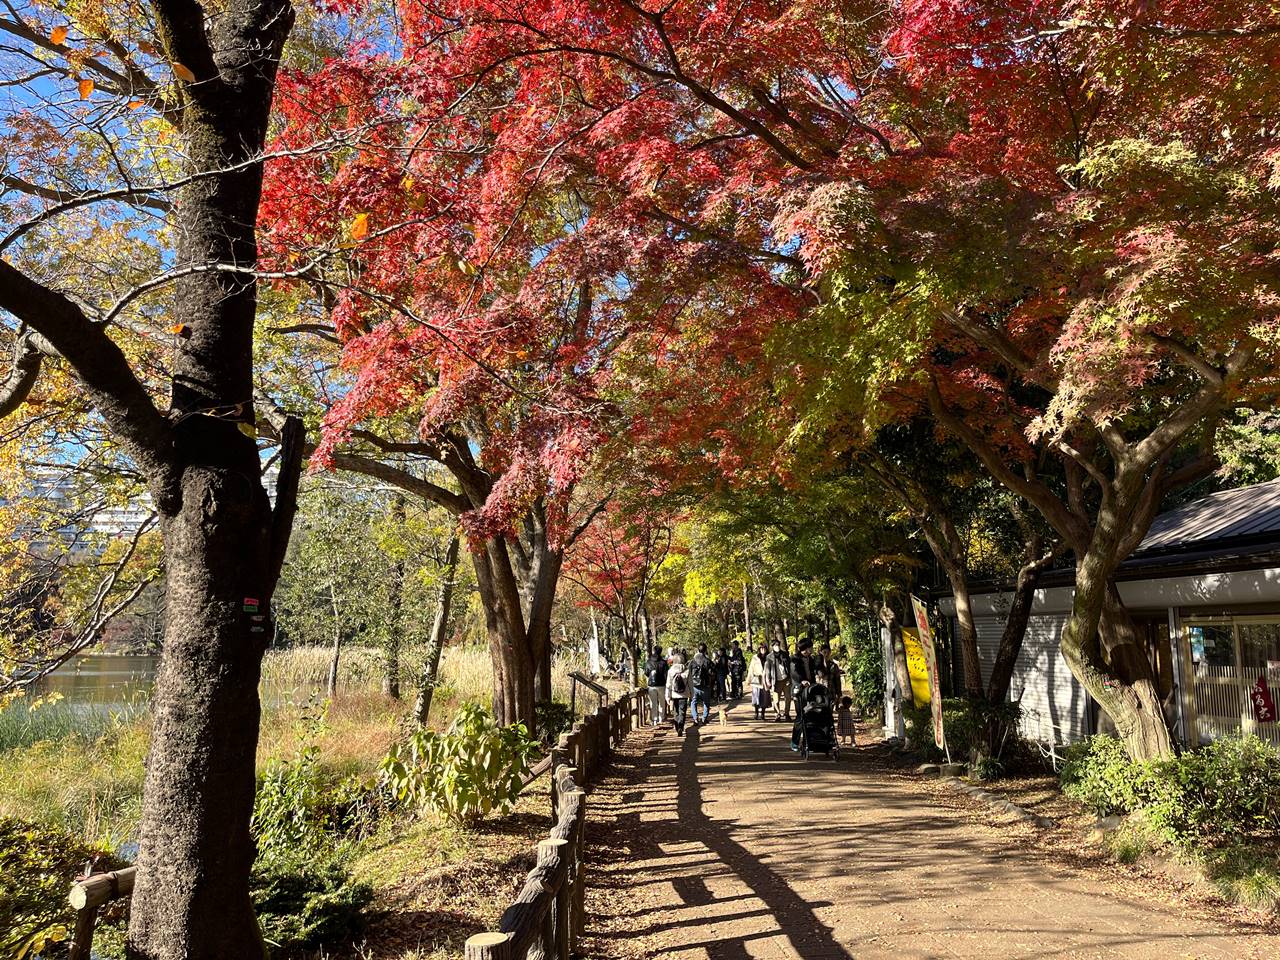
[[1228, 557]]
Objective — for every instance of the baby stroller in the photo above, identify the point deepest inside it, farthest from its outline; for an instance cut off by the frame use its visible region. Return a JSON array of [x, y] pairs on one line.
[[818, 726]]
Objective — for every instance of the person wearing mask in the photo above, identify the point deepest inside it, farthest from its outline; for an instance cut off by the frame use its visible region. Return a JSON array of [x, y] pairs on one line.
[[679, 690], [778, 672], [702, 680], [758, 680], [804, 674], [655, 669], [737, 670]]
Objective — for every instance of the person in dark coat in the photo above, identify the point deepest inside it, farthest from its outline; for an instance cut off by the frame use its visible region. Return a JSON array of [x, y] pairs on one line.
[[655, 669], [737, 670], [835, 675], [722, 673], [702, 680], [804, 674]]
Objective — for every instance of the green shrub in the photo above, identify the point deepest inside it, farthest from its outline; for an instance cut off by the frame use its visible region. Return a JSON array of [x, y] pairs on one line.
[[967, 724], [473, 769], [307, 903], [1222, 793], [552, 717], [301, 808], [37, 868], [865, 673], [1098, 772]]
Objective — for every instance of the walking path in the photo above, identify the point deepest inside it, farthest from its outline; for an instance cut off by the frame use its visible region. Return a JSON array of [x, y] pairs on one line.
[[725, 846]]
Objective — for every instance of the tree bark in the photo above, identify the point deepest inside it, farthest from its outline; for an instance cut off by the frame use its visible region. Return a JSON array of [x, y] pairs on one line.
[[192, 899], [331, 688], [1118, 677], [391, 676], [435, 642]]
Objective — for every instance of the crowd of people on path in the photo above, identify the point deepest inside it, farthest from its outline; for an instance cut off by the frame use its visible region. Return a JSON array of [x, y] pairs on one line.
[[686, 688]]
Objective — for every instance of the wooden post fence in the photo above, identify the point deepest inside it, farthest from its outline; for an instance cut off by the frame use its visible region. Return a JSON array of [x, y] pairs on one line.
[[546, 920]]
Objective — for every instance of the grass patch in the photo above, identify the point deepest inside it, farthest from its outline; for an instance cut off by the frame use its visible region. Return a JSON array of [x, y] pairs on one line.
[[1248, 877]]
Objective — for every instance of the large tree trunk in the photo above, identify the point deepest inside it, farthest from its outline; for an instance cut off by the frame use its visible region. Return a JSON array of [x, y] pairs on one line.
[[1119, 679], [435, 642], [514, 667], [191, 900], [192, 892]]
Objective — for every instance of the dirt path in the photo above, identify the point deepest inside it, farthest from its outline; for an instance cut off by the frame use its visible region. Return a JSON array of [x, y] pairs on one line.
[[725, 845]]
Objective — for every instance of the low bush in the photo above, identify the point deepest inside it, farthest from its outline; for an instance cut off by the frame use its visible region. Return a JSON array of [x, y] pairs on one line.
[[552, 717], [303, 904], [968, 725], [37, 868], [473, 769], [1224, 793], [1098, 772]]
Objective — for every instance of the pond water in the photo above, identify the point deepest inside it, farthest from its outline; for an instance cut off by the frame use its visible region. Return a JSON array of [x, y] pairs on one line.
[[102, 682]]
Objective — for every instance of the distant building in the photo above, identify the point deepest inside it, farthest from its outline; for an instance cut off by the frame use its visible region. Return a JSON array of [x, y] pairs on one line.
[[1204, 590]]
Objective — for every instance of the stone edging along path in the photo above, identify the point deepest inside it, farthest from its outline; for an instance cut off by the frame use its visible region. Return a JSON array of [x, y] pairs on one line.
[[974, 790]]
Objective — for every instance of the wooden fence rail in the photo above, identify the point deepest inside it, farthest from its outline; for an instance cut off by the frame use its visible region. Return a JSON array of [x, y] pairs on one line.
[[543, 920]]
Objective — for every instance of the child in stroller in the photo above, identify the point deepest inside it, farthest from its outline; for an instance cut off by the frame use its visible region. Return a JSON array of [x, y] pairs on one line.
[[818, 723]]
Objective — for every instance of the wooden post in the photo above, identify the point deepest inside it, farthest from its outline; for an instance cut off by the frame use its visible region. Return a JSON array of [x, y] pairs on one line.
[[489, 946], [82, 941], [557, 761], [579, 921], [555, 939]]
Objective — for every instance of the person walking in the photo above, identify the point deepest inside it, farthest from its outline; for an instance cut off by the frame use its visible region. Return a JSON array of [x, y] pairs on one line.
[[835, 675], [678, 691], [804, 674], [702, 678], [778, 671], [758, 680], [737, 670], [655, 669], [722, 673]]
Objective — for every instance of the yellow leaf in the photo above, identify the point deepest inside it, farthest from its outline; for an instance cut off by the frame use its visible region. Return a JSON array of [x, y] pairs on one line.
[[182, 72], [59, 35], [135, 104], [360, 226], [86, 88], [248, 429], [178, 329]]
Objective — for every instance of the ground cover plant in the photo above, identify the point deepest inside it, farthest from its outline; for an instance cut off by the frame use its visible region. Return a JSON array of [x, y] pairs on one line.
[[1215, 805]]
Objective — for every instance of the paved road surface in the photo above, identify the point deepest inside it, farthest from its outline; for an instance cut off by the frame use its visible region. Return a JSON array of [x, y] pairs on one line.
[[725, 846]]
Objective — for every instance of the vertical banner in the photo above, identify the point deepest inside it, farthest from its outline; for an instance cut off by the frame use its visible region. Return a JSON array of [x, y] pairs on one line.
[[931, 662]]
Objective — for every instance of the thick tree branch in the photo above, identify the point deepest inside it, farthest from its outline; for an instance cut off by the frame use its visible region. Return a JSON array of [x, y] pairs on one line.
[[98, 364]]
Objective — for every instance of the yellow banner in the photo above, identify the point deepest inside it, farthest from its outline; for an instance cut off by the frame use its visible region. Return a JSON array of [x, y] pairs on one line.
[[917, 666]]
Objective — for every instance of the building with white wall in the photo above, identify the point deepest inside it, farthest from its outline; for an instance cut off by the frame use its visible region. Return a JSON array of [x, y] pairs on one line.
[[1204, 590]]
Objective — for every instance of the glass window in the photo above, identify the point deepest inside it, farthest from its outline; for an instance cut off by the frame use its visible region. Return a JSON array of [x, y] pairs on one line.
[[1259, 644], [1212, 644]]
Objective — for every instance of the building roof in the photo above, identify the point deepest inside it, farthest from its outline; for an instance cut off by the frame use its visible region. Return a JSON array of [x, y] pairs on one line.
[[1241, 515]]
